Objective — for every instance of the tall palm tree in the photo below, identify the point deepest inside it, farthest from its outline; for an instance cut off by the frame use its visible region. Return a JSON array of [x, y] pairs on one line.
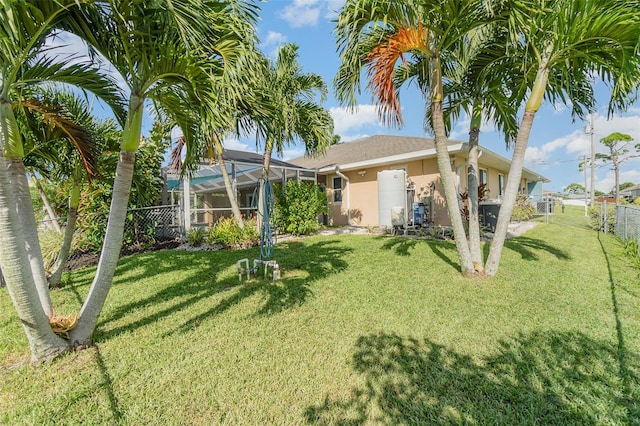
[[25, 62], [375, 35], [471, 86], [294, 112], [560, 47], [155, 51]]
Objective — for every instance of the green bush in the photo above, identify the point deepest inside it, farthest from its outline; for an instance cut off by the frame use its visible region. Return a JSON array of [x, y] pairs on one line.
[[523, 210], [195, 236], [632, 250], [297, 207], [595, 218], [227, 232]]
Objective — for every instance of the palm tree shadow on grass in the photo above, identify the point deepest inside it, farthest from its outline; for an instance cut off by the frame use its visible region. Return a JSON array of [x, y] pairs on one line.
[[527, 248], [402, 246], [543, 378], [301, 265]]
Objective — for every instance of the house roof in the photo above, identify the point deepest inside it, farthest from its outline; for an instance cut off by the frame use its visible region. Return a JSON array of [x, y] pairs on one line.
[[381, 150], [630, 189], [366, 149]]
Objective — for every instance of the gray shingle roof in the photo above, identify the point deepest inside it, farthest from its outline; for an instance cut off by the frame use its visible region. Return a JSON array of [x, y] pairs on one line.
[[369, 148]]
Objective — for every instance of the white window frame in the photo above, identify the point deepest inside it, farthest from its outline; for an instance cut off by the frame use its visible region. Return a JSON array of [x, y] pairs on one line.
[[337, 191], [486, 176], [501, 181]]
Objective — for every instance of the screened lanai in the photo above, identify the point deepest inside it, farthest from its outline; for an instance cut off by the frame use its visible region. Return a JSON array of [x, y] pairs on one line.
[[206, 192]]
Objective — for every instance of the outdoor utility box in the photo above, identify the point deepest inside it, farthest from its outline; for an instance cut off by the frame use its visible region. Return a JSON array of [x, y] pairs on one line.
[[489, 215], [392, 192], [418, 214]]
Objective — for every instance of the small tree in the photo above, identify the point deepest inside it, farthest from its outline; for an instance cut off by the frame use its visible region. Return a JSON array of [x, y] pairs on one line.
[[574, 188], [618, 153], [298, 205]]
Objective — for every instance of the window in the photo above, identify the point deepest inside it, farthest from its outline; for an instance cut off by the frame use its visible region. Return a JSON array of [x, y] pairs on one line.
[[337, 189], [483, 177], [501, 185]]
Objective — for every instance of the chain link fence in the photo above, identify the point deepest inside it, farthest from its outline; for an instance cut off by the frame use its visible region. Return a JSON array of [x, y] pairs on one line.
[[628, 223], [144, 229]]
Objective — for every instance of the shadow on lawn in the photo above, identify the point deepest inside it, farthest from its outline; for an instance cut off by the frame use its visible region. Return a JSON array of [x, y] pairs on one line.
[[543, 378], [527, 248], [445, 250], [622, 353], [301, 265]]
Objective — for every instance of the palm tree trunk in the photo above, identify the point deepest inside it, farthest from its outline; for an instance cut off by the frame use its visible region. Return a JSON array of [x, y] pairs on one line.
[[88, 318], [446, 172], [17, 174], [63, 255], [515, 170], [43, 342], [53, 219], [233, 200], [510, 194]]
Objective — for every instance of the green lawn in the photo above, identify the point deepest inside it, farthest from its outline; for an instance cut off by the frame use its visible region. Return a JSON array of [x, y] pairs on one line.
[[360, 330]]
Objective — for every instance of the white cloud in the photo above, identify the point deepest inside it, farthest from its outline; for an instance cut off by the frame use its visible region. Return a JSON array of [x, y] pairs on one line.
[[302, 13], [333, 7], [274, 38], [461, 129], [608, 182], [234, 143], [346, 122]]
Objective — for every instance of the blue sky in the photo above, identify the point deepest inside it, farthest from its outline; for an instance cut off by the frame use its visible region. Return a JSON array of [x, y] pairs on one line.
[[556, 142], [555, 145]]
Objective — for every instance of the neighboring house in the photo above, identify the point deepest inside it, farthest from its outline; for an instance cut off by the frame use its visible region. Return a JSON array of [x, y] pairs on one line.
[[631, 193], [350, 173]]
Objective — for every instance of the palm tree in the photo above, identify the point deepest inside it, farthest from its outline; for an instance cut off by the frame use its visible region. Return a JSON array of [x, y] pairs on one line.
[[155, 51], [559, 48], [374, 35], [471, 86], [293, 114], [24, 64], [61, 145]]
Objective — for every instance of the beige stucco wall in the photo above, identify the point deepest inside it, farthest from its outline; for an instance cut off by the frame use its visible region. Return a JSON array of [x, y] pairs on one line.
[[363, 190]]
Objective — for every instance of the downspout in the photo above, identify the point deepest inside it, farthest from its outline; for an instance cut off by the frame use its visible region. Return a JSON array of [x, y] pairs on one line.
[[343, 176]]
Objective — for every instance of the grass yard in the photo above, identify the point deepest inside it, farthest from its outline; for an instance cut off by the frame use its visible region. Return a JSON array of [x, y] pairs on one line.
[[359, 330]]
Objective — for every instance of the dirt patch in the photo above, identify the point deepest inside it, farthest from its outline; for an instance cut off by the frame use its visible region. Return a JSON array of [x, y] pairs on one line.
[[80, 260]]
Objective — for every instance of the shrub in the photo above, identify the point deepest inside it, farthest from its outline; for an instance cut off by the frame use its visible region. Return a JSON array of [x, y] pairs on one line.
[[195, 236], [596, 217], [227, 232], [523, 210], [297, 207]]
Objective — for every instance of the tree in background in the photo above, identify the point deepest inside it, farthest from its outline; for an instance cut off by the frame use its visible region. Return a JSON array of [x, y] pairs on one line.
[[625, 185], [574, 188], [619, 153], [294, 112]]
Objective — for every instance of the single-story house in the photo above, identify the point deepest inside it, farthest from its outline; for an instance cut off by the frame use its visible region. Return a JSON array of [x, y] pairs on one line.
[[631, 193], [359, 178]]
